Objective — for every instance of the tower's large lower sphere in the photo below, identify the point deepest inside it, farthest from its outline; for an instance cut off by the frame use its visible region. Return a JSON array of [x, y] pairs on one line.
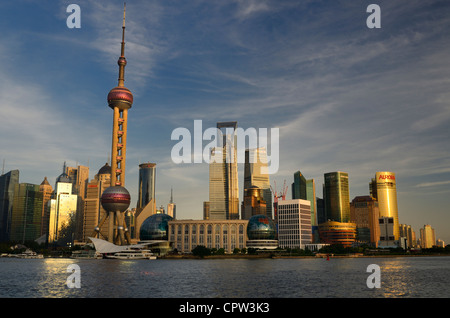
[[115, 198]]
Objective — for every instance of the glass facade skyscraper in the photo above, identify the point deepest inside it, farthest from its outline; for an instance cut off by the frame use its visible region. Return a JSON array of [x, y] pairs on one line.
[[7, 184], [336, 196], [147, 178], [299, 186], [26, 213]]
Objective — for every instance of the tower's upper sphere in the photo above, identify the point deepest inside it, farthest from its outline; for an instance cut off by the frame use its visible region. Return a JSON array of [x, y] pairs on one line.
[[120, 97], [115, 198]]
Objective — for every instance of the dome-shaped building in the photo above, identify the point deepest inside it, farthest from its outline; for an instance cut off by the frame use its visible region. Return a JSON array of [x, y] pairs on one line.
[[156, 228], [261, 233]]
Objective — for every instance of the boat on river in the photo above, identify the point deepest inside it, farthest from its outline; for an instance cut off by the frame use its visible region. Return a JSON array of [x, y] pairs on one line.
[[132, 254]]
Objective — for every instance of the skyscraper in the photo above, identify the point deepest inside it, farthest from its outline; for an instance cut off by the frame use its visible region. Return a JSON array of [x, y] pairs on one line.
[[26, 213], [223, 176], [365, 214], [383, 189], [294, 223], [299, 186], [47, 191], [146, 205], [7, 185], [256, 173], [171, 207], [63, 207], [427, 237], [253, 203], [146, 186], [336, 196]]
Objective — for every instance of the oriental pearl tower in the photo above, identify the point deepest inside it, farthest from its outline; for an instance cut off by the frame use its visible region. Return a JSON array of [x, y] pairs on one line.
[[116, 199]]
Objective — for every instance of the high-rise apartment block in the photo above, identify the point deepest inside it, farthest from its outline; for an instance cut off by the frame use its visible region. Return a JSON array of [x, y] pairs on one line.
[[427, 237], [294, 223], [93, 210], [47, 191]]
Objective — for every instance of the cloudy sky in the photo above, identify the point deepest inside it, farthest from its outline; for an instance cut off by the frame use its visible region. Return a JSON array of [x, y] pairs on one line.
[[344, 97]]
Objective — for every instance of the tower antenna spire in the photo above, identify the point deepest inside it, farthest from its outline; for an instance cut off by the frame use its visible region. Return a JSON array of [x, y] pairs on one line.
[[122, 61]]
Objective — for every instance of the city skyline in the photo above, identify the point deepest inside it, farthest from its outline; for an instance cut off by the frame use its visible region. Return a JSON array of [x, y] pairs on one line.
[[345, 97]]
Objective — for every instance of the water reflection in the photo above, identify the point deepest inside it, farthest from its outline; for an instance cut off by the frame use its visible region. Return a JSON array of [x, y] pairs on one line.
[[285, 278]]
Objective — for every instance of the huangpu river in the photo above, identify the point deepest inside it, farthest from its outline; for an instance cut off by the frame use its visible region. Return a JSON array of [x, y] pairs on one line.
[[399, 277]]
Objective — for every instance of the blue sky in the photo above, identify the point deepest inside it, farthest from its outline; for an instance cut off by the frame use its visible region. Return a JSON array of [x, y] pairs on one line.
[[344, 97]]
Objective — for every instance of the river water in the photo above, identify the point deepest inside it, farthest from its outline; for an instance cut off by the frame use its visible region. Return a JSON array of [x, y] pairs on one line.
[[400, 277]]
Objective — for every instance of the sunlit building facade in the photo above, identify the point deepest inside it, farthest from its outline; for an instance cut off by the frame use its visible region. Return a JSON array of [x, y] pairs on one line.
[[365, 214], [383, 189], [427, 237], [93, 210], [332, 232], [256, 173], [63, 208]]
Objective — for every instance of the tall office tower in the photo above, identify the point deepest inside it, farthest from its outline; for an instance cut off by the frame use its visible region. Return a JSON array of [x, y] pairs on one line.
[[253, 203], [116, 199], [223, 176], [26, 213], [146, 186], [383, 189], [336, 196], [146, 204], [93, 210], [47, 191], [299, 186], [427, 236], [256, 173], [8, 182], [365, 214], [171, 207], [294, 223], [63, 208], [79, 176]]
